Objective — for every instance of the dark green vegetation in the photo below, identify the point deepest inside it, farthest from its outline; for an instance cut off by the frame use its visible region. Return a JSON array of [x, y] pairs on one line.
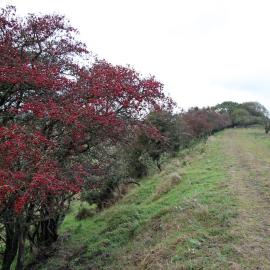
[[206, 210], [245, 114]]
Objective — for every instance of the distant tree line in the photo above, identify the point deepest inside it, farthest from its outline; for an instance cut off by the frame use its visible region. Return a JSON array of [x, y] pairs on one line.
[[245, 114]]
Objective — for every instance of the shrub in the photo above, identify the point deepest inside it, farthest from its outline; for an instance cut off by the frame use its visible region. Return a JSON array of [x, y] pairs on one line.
[[241, 117], [84, 213]]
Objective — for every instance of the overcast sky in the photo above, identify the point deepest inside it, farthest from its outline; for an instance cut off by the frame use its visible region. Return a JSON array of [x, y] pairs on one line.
[[204, 52]]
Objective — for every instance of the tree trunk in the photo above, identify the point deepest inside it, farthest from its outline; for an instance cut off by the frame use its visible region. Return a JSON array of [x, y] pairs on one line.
[[48, 232], [159, 165], [21, 251], [11, 244]]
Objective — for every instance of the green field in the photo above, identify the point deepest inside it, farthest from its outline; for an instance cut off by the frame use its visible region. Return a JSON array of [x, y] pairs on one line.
[[208, 209]]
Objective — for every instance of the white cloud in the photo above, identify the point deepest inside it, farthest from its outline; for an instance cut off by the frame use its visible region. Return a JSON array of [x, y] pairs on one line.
[[204, 52]]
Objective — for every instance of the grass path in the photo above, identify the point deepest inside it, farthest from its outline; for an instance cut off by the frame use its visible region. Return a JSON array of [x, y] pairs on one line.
[[250, 183], [217, 216]]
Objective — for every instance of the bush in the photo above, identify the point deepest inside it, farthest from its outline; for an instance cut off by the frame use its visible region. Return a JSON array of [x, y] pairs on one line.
[[106, 173], [241, 117], [244, 114], [84, 213], [203, 122], [137, 160]]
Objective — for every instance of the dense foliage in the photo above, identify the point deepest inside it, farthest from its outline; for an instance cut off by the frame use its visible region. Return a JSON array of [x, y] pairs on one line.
[[54, 113], [244, 114], [176, 130]]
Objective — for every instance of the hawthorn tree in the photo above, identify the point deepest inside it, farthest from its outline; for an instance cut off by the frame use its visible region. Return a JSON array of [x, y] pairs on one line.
[[53, 112], [168, 126], [198, 122], [203, 122], [218, 121]]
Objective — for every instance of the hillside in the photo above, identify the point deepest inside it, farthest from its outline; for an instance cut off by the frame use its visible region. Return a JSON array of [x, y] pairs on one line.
[[215, 216]]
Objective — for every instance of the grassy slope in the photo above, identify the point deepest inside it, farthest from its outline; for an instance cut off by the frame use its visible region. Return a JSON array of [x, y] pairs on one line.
[[162, 224], [215, 217]]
